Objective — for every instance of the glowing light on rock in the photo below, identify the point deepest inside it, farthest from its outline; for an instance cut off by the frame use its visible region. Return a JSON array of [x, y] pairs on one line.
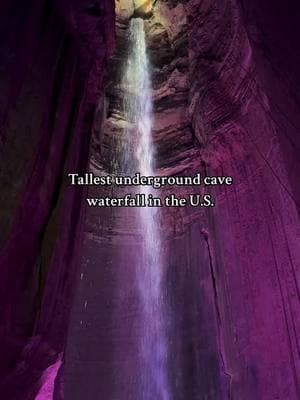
[[46, 391]]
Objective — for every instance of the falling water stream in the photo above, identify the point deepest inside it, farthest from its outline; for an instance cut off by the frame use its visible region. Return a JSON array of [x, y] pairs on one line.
[[137, 155], [138, 110]]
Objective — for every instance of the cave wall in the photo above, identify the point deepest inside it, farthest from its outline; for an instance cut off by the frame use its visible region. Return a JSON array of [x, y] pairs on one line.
[[105, 326], [232, 273], [273, 32], [54, 55], [226, 102], [253, 231]]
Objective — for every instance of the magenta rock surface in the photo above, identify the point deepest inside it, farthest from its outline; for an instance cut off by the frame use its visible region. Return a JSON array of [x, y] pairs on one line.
[[226, 81]]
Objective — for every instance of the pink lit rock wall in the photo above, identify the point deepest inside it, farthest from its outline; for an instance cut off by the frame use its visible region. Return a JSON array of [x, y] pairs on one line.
[[226, 97], [232, 272], [253, 232]]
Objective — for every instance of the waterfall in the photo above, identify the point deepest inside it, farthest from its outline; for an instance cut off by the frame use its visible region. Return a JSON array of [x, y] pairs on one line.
[[138, 156]]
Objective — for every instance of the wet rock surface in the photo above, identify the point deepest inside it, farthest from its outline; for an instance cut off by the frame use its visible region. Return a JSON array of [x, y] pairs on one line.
[[225, 103], [213, 113]]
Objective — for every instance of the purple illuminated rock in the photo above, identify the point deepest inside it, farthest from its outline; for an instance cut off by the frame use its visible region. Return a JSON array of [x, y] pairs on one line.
[[226, 103]]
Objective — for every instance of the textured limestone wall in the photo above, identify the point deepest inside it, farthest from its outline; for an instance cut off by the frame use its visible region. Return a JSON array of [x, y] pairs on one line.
[[232, 274], [226, 102], [254, 229]]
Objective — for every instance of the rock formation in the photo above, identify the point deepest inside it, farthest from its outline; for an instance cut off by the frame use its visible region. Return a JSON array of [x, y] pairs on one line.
[[53, 56], [212, 114], [225, 103]]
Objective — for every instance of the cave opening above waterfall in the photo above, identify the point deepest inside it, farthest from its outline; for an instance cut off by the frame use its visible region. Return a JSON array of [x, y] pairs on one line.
[[167, 267], [135, 8], [176, 147]]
